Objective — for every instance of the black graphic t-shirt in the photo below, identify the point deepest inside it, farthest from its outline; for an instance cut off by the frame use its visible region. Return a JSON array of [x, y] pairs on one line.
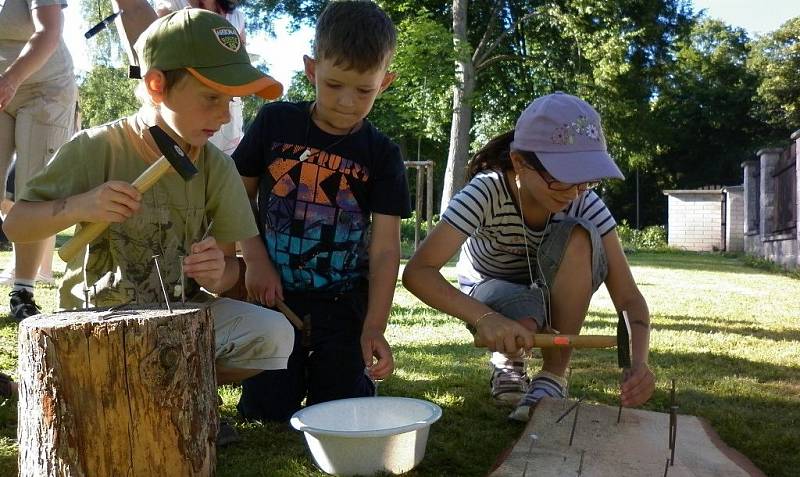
[[317, 192]]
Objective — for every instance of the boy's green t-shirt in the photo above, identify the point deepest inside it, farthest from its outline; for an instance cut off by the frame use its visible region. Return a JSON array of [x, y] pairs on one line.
[[174, 214]]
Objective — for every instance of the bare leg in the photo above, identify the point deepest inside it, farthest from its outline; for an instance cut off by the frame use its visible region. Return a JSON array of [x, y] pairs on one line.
[[27, 257], [570, 294], [234, 375]]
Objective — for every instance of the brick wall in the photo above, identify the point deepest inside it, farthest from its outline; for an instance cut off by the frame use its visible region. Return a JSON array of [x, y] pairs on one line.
[[695, 219]]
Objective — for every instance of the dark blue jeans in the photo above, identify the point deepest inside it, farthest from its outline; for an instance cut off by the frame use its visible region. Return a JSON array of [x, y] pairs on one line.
[[324, 366]]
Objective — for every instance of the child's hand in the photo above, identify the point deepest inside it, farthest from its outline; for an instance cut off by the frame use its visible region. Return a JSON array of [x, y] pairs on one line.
[[112, 201], [638, 385], [206, 264], [374, 346], [502, 334], [263, 284]]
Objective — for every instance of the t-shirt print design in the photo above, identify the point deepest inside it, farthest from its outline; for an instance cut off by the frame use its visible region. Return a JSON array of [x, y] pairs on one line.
[[315, 225]]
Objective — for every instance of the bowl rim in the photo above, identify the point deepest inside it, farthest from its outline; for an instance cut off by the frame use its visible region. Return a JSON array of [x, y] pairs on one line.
[[436, 412]]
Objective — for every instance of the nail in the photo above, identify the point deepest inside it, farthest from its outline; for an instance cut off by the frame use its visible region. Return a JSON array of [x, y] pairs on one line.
[[208, 229], [564, 414], [161, 280], [183, 281], [574, 422]]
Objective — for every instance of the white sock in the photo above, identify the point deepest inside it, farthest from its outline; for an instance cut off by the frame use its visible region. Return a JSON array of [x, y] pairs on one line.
[[22, 284]]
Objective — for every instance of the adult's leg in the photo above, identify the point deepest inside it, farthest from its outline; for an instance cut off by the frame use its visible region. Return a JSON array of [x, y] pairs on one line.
[[43, 123], [6, 153]]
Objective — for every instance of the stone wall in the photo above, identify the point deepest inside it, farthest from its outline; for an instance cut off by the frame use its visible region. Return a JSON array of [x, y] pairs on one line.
[[760, 238]]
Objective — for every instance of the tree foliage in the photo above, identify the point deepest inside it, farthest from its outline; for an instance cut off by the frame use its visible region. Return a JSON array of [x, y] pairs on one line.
[[703, 108], [106, 94], [776, 61]]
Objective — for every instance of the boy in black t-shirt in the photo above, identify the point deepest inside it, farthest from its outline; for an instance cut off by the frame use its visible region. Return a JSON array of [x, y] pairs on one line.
[[331, 190]]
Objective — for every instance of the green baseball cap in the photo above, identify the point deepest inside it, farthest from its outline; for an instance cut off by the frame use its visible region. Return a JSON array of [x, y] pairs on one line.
[[209, 47]]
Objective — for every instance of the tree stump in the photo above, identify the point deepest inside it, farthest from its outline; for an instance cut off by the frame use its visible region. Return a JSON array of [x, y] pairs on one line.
[[124, 393]]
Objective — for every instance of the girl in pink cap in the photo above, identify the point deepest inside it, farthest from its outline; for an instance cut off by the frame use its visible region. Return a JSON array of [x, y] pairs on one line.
[[536, 242]]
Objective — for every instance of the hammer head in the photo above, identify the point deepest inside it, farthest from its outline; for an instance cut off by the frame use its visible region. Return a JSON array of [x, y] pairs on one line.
[[173, 153], [623, 340]]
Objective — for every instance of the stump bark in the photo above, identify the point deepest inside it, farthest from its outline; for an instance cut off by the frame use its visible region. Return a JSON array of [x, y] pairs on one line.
[[124, 393]]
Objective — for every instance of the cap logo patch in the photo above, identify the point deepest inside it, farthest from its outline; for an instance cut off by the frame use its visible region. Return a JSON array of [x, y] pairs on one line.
[[229, 38], [582, 127]]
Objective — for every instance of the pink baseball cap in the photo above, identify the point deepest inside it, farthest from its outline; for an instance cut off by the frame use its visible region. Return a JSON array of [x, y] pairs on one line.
[[565, 133]]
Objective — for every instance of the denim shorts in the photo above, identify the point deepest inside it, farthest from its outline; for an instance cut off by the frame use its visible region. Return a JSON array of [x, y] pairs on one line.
[[517, 300]]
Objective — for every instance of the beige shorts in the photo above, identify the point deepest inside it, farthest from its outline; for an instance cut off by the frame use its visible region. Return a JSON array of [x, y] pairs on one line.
[[39, 119], [249, 336]]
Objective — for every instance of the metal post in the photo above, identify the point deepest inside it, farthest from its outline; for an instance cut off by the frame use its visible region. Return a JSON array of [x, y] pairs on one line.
[[637, 198], [418, 207], [429, 194]]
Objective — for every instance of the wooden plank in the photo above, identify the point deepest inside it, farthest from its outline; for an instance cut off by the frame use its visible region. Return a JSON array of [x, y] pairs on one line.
[[637, 446]]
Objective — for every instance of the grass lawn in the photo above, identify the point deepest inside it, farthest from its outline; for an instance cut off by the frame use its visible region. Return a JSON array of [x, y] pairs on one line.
[[726, 332]]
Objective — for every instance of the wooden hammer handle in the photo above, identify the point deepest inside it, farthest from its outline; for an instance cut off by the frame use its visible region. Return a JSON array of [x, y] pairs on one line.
[[542, 340], [292, 316], [145, 181]]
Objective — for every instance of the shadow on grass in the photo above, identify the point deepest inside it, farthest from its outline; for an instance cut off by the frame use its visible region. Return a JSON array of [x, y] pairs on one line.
[[695, 261], [699, 324]]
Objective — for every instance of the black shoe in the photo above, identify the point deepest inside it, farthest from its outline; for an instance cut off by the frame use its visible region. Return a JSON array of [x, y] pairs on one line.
[[22, 304], [5, 387], [226, 434]]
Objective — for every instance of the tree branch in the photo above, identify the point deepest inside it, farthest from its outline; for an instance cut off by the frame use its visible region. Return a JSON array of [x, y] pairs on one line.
[[496, 59], [500, 38], [489, 29]]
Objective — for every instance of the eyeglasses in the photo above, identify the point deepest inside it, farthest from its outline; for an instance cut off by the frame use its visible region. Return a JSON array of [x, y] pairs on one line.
[[555, 184], [533, 162]]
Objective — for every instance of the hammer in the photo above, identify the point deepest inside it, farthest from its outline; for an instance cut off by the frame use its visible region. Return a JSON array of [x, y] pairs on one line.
[[546, 340], [173, 156], [623, 350]]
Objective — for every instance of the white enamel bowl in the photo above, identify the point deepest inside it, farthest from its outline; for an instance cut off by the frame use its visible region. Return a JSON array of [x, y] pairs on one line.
[[364, 436]]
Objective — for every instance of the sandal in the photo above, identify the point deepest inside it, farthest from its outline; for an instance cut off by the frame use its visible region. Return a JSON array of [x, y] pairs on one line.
[[5, 386]]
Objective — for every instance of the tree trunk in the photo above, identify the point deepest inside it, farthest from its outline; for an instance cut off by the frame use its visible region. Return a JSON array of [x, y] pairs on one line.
[[462, 106], [129, 393]]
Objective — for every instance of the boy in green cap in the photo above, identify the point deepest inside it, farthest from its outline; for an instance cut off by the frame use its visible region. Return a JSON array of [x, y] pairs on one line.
[[192, 62]]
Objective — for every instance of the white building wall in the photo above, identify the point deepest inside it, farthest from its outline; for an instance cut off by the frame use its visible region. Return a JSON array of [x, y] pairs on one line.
[[734, 219], [695, 220]]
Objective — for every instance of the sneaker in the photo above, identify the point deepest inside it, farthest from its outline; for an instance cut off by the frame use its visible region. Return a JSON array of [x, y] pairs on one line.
[[508, 383], [544, 384], [22, 305], [226, 434]]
